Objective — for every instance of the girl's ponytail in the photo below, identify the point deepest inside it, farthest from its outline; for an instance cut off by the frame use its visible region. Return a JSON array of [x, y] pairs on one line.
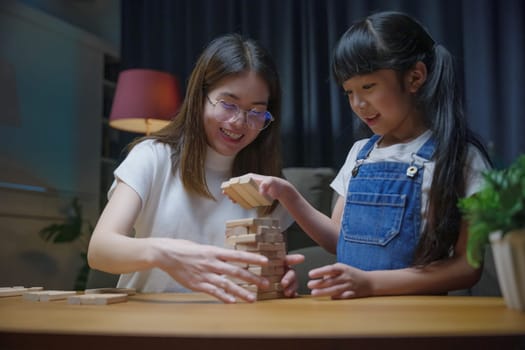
[[441, 99]]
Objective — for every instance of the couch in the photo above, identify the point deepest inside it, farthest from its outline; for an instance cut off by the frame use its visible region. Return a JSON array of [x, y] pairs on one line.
[[314, 185]]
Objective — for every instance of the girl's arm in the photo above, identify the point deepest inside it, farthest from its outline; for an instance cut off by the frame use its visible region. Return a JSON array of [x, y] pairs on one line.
[[321, 228], [195, 266], [343, 281]]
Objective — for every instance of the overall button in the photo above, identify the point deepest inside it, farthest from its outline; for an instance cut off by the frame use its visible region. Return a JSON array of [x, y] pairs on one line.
[[412, 171]]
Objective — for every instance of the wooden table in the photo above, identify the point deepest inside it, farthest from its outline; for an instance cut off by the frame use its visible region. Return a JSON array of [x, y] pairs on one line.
[[196, 321]]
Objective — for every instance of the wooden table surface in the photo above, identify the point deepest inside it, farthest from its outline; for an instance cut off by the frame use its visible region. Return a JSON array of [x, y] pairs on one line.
[[198, 321]]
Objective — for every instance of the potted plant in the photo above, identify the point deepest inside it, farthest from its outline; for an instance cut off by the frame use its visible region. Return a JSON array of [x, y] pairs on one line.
[[496, 215], [73, 229]]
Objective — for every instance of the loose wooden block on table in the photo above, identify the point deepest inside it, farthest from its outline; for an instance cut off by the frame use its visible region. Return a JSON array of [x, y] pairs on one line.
[[128, 291], [48, 295], [17, 290], [98, 298]]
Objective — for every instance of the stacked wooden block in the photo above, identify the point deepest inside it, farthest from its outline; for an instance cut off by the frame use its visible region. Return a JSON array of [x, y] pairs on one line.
[[256, 235], [262, 236]]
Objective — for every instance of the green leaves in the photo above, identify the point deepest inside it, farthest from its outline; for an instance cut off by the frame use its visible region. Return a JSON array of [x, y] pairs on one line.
[[500, 205], [69, 231]]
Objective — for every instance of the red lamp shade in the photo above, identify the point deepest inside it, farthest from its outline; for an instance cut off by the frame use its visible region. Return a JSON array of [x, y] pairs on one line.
[[145, 100]]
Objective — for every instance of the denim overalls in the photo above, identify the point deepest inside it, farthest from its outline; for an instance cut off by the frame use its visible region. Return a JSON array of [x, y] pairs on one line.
[[381, 219]]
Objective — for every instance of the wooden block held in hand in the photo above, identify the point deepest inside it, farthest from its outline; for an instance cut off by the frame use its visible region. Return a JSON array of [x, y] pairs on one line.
[[252, 188], [245, 191], [230, 192]]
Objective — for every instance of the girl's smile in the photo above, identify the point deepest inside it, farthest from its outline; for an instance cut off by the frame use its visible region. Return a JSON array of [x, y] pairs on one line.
[[371, 120]]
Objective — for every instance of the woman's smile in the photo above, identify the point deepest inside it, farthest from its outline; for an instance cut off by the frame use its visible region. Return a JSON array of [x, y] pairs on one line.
[[231, 135]]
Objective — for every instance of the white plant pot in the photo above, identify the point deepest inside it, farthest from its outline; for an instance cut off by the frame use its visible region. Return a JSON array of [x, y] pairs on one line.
[[509, 259]]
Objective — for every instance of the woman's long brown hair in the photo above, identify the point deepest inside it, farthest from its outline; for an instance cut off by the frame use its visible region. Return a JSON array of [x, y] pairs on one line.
[[228, 55]]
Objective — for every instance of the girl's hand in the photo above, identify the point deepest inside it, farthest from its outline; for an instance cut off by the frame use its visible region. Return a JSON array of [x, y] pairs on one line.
[[270, 186], [205, 268], [289, 282], [339, 281]]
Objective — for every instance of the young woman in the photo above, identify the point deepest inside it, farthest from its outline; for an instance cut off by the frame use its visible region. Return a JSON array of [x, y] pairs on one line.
[[167, 190]]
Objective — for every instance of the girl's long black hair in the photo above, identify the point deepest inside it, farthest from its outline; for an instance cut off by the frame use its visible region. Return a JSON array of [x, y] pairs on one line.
[[393, 40]]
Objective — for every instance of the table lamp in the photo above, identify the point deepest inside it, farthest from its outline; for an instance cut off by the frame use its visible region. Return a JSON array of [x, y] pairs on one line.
[[145, 100]]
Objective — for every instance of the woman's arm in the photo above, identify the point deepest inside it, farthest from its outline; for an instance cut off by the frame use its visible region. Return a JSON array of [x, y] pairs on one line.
[[195, 266], [110, 248], [343, 281]]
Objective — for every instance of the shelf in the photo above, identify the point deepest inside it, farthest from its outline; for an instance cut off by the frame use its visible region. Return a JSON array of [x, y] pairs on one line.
[[110, 161], [110, 147], [109, 85]]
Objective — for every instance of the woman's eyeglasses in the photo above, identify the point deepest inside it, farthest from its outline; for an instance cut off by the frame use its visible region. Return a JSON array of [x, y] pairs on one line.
[[257, 120]]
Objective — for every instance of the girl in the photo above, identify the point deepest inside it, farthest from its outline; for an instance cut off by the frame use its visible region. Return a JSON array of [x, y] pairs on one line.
[[395, 227], [168, 187]]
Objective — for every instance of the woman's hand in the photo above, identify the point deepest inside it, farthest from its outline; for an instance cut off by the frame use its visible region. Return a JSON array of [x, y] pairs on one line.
[[339, 281], [289, 282], [206, 269]]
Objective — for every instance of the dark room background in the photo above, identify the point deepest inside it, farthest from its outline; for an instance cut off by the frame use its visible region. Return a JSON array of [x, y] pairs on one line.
[[486, 37]]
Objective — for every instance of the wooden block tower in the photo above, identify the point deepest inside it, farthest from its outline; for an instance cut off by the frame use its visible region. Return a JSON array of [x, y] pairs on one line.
[[262, 236], [256, 235]]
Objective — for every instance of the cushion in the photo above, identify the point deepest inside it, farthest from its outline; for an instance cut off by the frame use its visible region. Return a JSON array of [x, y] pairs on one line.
[[314, 185], [314, 257]]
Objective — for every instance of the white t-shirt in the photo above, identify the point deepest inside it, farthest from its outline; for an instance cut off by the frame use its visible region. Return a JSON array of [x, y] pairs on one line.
[[403, 152], [168, 210]]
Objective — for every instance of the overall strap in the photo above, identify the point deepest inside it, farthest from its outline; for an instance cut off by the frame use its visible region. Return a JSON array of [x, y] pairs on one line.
[[363, 153], [367, 148], [427, 150], [423, 155]]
